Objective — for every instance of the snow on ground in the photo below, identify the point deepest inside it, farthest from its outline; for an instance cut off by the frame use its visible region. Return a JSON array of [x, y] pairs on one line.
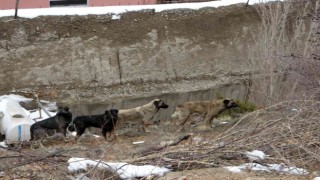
[[17, 98], [32, 13], [279, 168], [256, 155], [125, 170], [3, 144], [316, 178]]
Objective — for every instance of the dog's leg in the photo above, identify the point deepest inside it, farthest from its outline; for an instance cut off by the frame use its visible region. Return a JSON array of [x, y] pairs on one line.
[[208, 120], [140, 127], [80, 131], [40, 142], [63, 130], [114, 133], [183, 117], [33, 140], [31, 134], [104, 133], [32, 144], [114, 136], [38, 134], [183, 121], [144, 127]]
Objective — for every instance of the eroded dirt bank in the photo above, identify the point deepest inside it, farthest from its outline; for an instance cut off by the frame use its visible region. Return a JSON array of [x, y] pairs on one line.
[[94, 59]]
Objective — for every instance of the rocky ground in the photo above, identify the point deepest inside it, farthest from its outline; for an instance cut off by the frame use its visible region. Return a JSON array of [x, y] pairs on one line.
[[21, 162]]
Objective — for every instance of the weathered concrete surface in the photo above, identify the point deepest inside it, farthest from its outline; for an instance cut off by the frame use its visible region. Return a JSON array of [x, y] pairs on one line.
[[80, 52], [234, 90]]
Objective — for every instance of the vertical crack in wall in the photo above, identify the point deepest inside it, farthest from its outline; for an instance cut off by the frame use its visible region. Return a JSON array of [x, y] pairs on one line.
[[119, 65]]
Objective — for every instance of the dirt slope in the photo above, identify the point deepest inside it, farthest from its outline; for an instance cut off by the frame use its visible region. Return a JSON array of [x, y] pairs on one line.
[[73, 57]]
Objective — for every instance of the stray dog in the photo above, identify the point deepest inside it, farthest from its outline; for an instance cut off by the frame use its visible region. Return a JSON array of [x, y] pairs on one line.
[[59, 122], [106, 122], [208, 108], [141, 115]]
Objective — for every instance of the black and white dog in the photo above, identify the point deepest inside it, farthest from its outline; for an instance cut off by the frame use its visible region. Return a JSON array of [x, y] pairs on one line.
[[59, 122], [106, 122]]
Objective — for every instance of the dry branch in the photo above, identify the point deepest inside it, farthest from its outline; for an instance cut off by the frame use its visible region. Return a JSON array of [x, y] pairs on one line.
[[165, 144]]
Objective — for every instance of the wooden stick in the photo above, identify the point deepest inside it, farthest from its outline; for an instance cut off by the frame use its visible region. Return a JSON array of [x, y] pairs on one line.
[[40, 105]]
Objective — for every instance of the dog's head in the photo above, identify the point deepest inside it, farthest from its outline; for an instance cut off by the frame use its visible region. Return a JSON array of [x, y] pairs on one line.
[[66, 108], [71, 128], [160, 104], [63, 111], [230, 103], [63, 108], [111, 113]]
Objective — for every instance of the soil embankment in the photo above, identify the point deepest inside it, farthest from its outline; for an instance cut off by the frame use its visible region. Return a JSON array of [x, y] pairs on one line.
[[90, 60]]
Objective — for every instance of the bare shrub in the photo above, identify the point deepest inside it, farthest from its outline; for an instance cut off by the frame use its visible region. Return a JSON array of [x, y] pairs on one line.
[[286, 52], [285, 84]]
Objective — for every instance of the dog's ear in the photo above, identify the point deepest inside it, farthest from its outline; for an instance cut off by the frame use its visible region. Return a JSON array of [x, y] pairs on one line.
[[156, 102], [107, 112], [71, 128], [160, 104], [226, 102], [114, 111], [230, 103], [60, 108]]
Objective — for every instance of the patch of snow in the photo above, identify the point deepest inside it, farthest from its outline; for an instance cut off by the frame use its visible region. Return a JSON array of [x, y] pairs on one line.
[[316, 178], [116, 16], [280, 168], [73, 133], [16, 97], [125, 170], [234, 169], [255, 167], [276, 167], [63, 11], [256, 155], [3, 144], [295, 171]]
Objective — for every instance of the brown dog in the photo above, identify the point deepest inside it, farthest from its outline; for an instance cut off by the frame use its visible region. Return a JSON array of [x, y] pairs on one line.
[[208, 108], [141, 115]]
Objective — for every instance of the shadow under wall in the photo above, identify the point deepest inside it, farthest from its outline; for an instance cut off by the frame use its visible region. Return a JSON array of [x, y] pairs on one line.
[[236, 91]]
